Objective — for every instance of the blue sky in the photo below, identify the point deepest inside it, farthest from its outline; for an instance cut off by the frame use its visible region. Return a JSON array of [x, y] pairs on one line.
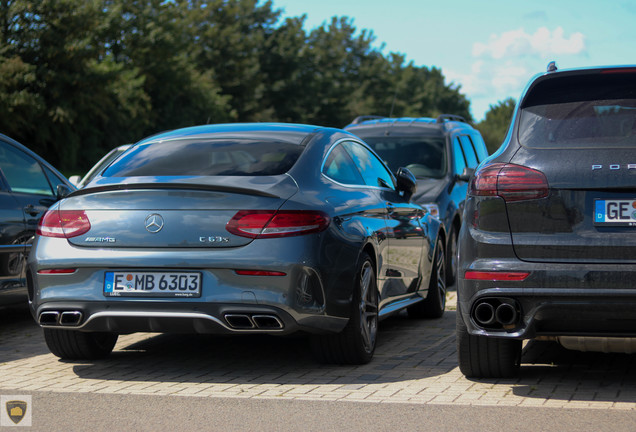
[[490, 47]]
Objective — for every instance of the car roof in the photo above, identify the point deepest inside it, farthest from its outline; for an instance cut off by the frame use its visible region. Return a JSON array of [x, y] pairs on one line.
[[288, 132], [372, 125]]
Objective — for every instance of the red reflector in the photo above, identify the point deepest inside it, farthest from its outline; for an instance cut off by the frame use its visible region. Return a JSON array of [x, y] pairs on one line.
[[259, 273], [57, 271], [270, 223], [496, 276], [509, 181], [63, 223]]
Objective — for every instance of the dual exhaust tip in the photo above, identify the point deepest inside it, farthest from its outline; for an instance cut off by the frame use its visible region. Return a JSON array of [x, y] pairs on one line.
[[253, 322], [496, 313], [60, 318]]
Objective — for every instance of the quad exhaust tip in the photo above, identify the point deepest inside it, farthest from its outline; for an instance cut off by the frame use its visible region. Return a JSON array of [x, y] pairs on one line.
[[251, 322], [63, 318]]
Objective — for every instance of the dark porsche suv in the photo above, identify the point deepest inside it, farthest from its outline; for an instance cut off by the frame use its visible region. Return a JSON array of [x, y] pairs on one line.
[[548, 245], [441, 152]]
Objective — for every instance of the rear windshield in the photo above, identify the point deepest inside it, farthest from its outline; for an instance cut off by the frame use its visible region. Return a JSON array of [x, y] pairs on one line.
[[592, 111], [207, 158], [424, 157]]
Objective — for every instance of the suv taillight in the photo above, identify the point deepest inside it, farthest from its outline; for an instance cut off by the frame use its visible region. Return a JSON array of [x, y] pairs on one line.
[[271, 223], [509, 181], [63, 223]]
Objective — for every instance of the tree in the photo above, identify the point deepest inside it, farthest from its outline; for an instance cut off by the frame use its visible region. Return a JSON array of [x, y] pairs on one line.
[[496, 123], [423, 92], [225, 38], [55, 73], [151, 36], [79, 77]]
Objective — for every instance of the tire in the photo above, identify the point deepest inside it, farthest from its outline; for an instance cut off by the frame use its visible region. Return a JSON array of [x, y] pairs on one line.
[[435, 302], [77, 345], [451, 255], [356, 343], [486, 357]]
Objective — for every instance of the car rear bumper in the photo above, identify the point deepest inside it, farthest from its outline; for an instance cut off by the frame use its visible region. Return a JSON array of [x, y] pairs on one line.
[[554, 312], [178, 318], [301, 295], [555, 300]]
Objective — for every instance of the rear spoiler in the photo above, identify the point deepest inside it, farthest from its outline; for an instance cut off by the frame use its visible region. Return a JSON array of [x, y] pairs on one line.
[[173, 186]]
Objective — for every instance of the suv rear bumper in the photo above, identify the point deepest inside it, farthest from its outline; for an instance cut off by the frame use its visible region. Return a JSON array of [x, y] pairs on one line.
[[555, 300], [556, 312]]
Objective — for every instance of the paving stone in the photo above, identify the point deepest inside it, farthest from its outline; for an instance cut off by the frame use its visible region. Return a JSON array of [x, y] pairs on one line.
[[415, 363]]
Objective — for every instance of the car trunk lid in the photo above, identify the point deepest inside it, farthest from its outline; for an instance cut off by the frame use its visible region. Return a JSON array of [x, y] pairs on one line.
[[566, 225], [173, 212]]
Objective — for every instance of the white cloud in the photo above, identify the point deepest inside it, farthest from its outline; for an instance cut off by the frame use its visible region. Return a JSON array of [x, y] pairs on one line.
[[543, 42], [489, 82], [503, 65], [508, 78]]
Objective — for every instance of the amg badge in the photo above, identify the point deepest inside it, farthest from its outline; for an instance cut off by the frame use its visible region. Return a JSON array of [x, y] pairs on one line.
[[100, 239]]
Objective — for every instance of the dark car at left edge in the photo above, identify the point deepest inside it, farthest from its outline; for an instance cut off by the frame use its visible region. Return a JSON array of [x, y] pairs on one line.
[[237, 229], [28, 187]]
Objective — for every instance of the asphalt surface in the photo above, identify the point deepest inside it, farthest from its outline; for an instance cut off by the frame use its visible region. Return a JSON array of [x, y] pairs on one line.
[[188, 382]]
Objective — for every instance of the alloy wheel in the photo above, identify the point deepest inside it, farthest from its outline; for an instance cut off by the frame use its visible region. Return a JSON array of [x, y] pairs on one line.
[[368, 307]]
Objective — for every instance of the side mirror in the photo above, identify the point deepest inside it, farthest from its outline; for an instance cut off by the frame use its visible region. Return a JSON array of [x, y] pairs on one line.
[[406, 182], [466, 174], [62, 191]]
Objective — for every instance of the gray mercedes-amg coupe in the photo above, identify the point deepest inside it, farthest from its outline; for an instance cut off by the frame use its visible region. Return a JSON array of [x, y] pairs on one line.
[[237, 228], [548, 247]]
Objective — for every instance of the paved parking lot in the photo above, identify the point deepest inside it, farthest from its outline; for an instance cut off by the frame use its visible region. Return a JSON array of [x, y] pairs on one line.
[[414, 363]]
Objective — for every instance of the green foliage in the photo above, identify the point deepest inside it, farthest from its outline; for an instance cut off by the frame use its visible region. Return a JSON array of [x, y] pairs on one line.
[[78, 77], [496, 123]]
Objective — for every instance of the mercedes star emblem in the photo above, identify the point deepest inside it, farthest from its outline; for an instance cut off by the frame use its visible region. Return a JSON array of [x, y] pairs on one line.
[[154, 223]]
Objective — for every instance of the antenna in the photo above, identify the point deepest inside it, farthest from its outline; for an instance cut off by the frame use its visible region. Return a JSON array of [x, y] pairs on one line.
[[393, 103]]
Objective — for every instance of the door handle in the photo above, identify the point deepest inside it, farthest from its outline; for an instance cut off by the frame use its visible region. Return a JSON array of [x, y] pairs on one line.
[[31, 211]]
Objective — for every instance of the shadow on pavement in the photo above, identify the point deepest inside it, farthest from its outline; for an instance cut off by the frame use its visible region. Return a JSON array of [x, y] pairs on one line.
[[407, 349], [20, 336], [549, 371]]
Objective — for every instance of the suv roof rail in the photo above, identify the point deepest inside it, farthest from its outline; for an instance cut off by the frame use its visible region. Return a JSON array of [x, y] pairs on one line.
[[450, 117], [360, 119]]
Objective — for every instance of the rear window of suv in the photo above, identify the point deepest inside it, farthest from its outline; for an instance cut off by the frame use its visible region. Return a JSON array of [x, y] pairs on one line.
[[587, 111], [207, 158]]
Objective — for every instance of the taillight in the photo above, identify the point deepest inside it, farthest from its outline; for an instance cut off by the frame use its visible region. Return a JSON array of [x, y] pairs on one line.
[[63, 223], [271, 223], [509, 181], [496, 275]]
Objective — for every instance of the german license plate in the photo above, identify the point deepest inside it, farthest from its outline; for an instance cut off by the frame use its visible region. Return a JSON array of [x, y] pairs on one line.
[[152, 284], [615, 212]]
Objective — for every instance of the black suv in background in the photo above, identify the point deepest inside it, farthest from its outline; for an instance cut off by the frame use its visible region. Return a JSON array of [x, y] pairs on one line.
[[441, 152]]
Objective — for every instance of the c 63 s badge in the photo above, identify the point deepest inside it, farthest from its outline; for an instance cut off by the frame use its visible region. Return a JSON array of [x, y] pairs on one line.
[[214, 239]]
